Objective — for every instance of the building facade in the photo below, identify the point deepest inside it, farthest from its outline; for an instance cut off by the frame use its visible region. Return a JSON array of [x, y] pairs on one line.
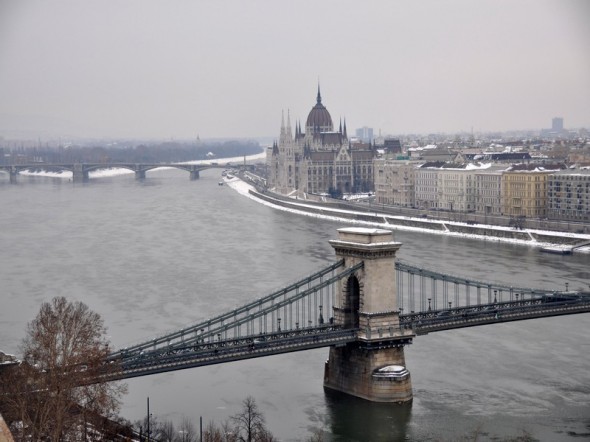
[[319, 159], [426, 186], [456, 188], [488, 191], [394, 182], [524, 191], [568, 195]]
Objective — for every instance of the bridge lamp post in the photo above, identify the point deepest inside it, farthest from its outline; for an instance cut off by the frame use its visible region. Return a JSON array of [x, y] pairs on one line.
[[450, 304], [321, 316], [429, 304], [495, 299], [566, 286], [279, 324]]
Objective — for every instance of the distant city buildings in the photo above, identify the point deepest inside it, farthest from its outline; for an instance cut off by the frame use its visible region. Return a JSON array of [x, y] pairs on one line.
[[516, 177], [557, 124], [365, 134], [556, 130], [392, 146]]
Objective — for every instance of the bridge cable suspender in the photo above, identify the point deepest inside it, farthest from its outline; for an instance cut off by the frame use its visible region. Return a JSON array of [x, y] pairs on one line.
[[232, 315], [411, 269], [277, 306]]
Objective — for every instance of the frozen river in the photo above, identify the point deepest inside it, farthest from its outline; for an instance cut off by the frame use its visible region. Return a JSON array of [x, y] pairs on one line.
[[160, 254]]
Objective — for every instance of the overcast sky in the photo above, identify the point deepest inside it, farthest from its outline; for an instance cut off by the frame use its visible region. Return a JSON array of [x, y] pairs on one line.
[[178, 69]]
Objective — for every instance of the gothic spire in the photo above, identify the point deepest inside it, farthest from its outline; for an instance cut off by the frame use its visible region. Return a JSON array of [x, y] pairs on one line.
[[319, 97], [282, 122]]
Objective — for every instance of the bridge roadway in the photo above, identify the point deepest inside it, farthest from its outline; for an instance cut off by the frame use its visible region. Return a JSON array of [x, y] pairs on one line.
[[218, 351], [228, 350], [543, 306], [81, 171]]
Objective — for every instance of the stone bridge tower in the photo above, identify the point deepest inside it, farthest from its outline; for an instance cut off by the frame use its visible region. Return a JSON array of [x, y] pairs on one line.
[[373, 367]]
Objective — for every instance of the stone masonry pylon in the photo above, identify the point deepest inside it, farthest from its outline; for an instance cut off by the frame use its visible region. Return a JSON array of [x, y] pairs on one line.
[[373, 367]]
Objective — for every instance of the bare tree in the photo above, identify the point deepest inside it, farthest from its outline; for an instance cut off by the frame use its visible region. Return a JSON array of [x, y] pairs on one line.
[[50, 394], [187, 431], [165, 431], [250, 423], [212, 433]]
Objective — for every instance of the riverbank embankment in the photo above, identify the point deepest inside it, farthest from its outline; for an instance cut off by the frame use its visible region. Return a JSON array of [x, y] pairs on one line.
[[539, 238]]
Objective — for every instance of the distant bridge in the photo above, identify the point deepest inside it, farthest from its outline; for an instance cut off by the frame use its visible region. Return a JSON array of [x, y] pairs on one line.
[[81, 171]]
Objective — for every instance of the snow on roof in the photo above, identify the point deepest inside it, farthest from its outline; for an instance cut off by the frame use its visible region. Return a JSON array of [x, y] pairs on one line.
[[428, 147]]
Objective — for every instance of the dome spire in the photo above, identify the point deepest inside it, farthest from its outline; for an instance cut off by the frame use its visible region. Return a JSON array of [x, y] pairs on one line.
[[319, 119]]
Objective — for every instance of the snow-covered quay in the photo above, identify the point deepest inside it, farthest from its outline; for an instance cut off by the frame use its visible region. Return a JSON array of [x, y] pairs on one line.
[[556, 242]]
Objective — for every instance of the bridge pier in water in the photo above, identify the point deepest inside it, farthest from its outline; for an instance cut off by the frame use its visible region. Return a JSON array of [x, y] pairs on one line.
[[194, 174], [140, 174], [80, 174], [370, 367], [13, 174]]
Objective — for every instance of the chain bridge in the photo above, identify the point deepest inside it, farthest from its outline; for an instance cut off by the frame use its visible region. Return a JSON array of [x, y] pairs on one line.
[[366, 307]]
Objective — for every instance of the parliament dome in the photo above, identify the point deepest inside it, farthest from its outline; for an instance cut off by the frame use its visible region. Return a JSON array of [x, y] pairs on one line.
[[319, 119]]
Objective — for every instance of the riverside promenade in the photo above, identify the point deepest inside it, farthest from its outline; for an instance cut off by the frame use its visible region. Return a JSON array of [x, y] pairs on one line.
[[376, 215]]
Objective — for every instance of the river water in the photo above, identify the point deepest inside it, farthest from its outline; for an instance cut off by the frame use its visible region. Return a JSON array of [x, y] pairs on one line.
[[156, 255]]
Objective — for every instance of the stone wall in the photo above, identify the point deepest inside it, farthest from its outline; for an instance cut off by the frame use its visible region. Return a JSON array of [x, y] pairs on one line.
[[350, 370]]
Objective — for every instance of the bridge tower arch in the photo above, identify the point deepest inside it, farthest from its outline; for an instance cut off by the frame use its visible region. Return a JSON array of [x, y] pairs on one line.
[[351, 302], [372, 367]]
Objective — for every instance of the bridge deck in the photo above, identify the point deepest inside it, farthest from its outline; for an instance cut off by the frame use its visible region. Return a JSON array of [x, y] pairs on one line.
[[202, 354], [542, 307]]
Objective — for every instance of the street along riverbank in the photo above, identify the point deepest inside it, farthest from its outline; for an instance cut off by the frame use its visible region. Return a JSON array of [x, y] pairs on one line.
[[551, 241]]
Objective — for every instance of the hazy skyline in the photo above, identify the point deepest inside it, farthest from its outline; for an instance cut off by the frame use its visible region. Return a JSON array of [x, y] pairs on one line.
[[178, 69]]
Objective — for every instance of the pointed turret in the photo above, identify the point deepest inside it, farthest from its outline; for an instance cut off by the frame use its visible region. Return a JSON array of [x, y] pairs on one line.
[[289, 124], [345, 135], [298, 133]]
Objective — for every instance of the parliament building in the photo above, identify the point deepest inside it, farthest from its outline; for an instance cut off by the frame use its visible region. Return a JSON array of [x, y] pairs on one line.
[[319, 160]]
